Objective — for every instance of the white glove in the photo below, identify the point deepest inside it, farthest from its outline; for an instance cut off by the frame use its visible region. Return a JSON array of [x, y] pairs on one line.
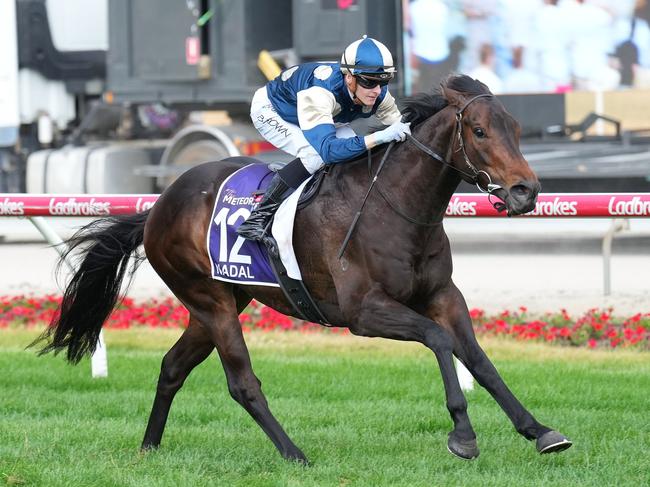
[[396, 132]]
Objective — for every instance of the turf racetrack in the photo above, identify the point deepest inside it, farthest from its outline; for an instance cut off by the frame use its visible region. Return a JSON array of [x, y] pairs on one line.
[[365, 412]]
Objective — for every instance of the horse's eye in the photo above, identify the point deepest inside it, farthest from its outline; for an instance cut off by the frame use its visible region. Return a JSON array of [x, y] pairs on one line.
[[478, 131]]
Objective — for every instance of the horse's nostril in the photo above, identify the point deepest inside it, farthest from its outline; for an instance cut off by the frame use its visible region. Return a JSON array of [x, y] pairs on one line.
[[520, 191]]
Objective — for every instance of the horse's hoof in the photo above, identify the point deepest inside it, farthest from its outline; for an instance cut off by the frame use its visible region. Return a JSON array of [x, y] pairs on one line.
[[467, 449], [144, 449], [296, 456], [552, 442]]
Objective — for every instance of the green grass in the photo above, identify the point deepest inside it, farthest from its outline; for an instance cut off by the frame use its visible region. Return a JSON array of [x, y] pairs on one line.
[[365, 412]]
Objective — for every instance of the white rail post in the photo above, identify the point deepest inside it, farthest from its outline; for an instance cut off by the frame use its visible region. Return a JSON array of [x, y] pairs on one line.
[[465, 377], [99, 360], [618, 225]]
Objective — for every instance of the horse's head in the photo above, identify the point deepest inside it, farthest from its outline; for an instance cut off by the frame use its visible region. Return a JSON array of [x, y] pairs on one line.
[[486, 143]]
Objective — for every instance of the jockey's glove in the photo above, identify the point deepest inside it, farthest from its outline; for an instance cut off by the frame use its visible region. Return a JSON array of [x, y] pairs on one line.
[[396, 132]]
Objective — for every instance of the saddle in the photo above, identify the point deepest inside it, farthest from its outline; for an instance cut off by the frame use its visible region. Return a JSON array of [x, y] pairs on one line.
[[312, 188], [310, 191]]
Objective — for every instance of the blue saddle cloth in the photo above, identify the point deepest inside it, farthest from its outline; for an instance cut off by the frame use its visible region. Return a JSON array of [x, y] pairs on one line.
[[233, 258]]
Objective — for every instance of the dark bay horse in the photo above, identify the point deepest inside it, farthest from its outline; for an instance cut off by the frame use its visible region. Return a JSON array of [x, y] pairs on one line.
[[394, 280]]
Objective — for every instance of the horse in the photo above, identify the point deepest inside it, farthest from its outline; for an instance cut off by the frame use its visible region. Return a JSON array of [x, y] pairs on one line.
[[392, 281]]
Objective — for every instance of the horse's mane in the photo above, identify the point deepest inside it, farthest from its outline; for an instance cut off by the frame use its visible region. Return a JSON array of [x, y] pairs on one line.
[[419, 107]]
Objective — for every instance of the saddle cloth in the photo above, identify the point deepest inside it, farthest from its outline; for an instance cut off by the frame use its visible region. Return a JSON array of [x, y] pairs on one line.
[[235, 259]]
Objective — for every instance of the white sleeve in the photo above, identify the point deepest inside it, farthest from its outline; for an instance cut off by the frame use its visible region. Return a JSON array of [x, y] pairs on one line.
[[315, 106], [387, 112]]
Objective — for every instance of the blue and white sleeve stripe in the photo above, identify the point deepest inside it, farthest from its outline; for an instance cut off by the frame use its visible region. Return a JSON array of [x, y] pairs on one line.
[[332, 149], [316, 106]]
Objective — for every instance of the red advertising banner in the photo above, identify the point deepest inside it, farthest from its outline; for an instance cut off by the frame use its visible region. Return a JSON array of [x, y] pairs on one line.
[[553, 205], [14, 204], [549, 205]]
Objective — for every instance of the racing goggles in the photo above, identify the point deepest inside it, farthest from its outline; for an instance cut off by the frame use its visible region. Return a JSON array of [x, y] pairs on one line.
[[369, 82]]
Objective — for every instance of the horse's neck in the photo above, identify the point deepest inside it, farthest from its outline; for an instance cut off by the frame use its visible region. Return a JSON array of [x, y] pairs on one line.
[[428, 183]]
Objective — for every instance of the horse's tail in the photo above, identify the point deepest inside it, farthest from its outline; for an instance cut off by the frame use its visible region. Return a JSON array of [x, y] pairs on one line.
[[104, 250]]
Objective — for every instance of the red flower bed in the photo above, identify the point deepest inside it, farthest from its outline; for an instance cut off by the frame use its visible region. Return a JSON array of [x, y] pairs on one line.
[[30, 311], [594, 329]]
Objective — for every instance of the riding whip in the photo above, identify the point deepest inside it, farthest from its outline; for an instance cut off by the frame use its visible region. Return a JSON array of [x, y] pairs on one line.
[[358, 215]]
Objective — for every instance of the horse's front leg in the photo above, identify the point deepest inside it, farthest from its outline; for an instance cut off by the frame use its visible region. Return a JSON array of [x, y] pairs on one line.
[[450, 309], [382, 316]]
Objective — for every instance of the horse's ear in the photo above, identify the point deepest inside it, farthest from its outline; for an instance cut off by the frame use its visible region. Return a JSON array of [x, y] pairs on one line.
[[453, 97]]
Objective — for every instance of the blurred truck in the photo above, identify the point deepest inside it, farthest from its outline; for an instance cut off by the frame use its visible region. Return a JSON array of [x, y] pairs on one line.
[[121, 96]]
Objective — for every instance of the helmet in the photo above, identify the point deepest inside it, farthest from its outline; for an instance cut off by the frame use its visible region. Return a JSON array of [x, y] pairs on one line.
[[369, 57]]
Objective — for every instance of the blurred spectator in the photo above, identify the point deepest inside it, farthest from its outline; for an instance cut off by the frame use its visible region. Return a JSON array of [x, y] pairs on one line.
[[536, 45], [591, 42], [622, 11], [552, 27], [520, 79], [641, 39], [484, 72], [479, 15], [627, 54], [642, 32], [519, 21], [619, 9], [430, 48]]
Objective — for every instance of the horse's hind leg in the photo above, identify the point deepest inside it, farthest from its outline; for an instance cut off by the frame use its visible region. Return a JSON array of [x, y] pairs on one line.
[[245, 387], [472, 355], [192, 348], [216, 324]]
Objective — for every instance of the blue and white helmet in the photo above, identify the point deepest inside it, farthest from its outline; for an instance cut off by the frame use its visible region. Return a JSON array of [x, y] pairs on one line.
[[368, 56]]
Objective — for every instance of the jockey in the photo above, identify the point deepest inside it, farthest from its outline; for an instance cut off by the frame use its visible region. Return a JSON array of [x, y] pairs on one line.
[[306, 112]]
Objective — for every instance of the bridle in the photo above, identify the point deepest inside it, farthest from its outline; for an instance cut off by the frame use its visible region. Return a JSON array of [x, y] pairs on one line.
[[474, 177], [479, 177]]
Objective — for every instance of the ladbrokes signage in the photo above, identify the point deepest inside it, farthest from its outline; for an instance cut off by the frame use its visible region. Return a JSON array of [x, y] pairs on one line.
[[619, 205], [559, 205], [629, 207], [9, 207], [555, 207], [73, 205]]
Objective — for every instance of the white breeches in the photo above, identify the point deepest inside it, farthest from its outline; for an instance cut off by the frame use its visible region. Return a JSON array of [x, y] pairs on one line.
[[288, 136]]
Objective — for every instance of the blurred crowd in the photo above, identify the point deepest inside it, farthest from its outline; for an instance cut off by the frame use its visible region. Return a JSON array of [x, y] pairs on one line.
[[530, 46]]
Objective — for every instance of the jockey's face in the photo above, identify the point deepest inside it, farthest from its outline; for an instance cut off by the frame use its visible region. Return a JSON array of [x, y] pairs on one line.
[[364, 96]]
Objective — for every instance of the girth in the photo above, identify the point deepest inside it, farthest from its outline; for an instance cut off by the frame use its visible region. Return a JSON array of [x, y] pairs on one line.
[[294, 290]]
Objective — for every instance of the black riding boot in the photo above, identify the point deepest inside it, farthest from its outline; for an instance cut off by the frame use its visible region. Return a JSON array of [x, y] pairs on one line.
[[284, 182], [255, 225]]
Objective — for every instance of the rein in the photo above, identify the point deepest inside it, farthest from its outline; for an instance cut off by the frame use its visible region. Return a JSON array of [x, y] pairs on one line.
[[363, 203], [474, 177]]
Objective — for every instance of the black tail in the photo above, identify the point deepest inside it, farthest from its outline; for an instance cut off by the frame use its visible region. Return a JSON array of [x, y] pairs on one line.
[[105, 247]]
